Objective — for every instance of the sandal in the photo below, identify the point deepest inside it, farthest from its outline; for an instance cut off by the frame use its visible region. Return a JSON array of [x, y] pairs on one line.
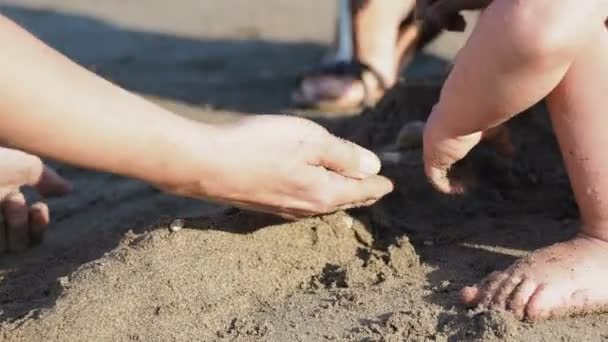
[[353, 85], [332, 98]]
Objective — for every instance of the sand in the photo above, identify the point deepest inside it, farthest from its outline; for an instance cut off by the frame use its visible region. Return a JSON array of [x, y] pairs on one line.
[[111, 270]]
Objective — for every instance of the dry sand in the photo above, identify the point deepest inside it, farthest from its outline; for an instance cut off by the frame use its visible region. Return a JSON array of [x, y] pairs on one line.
[[110, 269]]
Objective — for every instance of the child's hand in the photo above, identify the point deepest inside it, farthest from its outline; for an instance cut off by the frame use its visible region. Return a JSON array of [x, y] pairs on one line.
[[20, 223], [444, 14], [442, 150], [286, 166]]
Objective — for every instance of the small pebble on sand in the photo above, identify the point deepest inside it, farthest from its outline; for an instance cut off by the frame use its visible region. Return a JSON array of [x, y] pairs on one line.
[[176, 225]]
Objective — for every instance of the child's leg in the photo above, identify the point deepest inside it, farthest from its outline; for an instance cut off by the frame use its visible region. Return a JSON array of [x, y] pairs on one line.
[[568, 277], [517, 54], [513, 59]]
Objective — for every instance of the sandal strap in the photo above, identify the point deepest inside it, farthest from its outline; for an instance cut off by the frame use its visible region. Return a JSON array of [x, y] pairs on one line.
[[352, 68]]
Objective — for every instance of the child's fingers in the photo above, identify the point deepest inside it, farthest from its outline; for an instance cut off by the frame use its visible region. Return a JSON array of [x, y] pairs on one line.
[[439, 177], [20, 168], [52, 184], [15, 212], [39, 219], [441, 153]]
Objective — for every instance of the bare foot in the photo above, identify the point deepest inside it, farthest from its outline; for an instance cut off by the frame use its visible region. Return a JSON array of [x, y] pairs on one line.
[[562, 279], [22, 224]]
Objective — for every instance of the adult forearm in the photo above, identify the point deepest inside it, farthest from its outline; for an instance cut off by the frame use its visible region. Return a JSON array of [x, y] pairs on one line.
[[52, 107]]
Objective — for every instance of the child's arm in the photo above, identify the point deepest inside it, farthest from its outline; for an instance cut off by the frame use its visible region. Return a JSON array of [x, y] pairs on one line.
[[52, 107], [510, 62]]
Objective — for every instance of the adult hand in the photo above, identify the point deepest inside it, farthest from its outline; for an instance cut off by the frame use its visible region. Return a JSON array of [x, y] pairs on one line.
[[22, 224], [442, 149], [445, 14], [286, 166]]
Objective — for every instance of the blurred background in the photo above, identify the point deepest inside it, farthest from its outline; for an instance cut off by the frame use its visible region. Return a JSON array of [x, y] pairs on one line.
[[233, 56]]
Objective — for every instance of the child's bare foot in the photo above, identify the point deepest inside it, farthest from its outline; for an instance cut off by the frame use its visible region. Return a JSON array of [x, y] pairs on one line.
[[22, 224], [566, 278]]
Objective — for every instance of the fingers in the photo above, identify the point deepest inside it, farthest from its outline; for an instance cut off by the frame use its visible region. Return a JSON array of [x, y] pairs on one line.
[[347, 158], [51, 184], [332, 192], [20, 168], [15, 212], [440, 180], [439, 159], [441, 150], [328, 192], [20, 225], [39, 218], [351, 193], [441, 153]]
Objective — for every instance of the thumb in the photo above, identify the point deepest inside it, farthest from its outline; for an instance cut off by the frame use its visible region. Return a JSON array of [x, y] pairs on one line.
[[347, 158], [18, 168]]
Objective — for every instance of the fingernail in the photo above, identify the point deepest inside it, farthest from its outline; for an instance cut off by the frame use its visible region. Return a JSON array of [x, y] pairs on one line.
[[369, 163]]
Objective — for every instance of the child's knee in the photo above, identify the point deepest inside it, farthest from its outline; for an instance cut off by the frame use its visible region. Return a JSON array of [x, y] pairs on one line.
[[543, 30]]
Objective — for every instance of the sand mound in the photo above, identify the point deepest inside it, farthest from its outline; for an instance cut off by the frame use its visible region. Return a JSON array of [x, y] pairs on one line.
[[213, 273]]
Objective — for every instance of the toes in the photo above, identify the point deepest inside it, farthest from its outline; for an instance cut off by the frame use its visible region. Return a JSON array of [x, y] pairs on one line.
[[39, 219], [475, 295], [499, 302], [469, 295], [557, 299], [492, 288], [544, 300], [15, 210], [520, 297]]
